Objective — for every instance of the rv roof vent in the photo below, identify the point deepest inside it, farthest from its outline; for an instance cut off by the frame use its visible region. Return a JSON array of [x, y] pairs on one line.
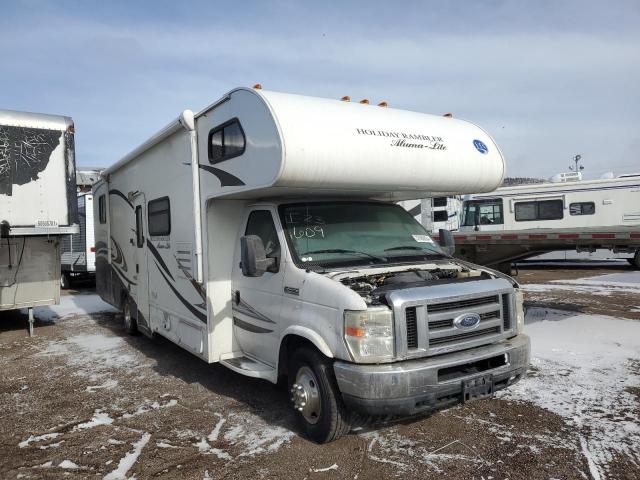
[[383, 104], [607, 176], [364, 101], [566, 177], [346, 98], [257, 86]]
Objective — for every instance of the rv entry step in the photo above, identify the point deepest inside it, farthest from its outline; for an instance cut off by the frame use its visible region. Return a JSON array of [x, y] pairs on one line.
[[250, 367]]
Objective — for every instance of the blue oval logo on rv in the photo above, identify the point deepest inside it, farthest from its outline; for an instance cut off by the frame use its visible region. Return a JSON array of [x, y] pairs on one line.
[[480, 146], [467, 321]]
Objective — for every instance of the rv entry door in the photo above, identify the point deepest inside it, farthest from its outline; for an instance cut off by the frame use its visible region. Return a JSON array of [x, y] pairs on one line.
[[140, 256], [257, 301]]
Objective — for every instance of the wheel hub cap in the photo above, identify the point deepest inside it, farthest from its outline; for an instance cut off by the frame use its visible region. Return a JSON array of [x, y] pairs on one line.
[[306, 396]]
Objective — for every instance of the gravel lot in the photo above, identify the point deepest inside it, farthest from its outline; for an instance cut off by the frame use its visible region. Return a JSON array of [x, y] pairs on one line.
[[82, 399]]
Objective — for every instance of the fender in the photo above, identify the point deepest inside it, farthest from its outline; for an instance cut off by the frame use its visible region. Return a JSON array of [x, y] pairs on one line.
[[311, 335]]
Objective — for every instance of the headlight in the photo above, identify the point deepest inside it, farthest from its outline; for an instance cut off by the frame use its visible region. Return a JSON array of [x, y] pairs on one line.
[[369, 334], [519, 311]]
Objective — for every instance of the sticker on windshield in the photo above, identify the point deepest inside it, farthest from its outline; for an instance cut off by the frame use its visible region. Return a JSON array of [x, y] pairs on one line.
[[422, 238]]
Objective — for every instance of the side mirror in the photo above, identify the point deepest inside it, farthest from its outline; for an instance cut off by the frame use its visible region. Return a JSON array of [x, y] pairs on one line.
[[446, 241], [253, 258]]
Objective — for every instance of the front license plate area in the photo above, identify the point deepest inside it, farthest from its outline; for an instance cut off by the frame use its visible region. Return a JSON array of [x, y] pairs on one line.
[[477, 387]]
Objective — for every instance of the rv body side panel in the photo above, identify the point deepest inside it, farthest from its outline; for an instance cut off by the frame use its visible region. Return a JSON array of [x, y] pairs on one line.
[[29, 272], [154, 268]]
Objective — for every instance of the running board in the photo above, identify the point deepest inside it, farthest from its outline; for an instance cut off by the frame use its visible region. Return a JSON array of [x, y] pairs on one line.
[[251, 368]]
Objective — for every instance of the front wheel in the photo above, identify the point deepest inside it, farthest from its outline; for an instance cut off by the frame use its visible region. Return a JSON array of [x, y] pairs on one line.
[[316, 397]]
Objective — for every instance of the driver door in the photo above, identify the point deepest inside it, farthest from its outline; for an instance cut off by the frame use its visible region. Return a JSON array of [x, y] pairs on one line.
[[257, 301]]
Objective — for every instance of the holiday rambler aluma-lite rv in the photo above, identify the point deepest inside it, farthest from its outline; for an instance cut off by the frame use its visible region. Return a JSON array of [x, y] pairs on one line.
[[37, 206], [262, 233]]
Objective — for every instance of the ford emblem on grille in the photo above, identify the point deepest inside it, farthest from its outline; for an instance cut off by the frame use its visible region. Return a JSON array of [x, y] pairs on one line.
[[467, 321]]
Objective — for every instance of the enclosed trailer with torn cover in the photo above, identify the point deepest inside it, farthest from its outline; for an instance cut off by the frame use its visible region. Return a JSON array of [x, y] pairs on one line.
[[262, 233], [37, 206]]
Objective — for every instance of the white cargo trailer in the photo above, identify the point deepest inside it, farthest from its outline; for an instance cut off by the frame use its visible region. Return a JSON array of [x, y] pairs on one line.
[[262, 233], [37, 206]]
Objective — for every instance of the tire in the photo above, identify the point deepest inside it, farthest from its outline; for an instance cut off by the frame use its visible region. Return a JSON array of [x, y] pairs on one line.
[[130, 323], [65, 281], [636, 260], [324, 416]]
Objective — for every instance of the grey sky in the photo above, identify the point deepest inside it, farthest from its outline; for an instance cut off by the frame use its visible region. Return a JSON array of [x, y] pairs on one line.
[[548, 79]]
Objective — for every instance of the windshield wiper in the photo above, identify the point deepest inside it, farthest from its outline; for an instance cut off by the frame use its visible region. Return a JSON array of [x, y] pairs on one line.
[[404, 247], [342, 250]]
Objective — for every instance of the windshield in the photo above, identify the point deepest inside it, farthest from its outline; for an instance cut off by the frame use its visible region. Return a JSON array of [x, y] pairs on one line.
[[482, 212], [352, 233]]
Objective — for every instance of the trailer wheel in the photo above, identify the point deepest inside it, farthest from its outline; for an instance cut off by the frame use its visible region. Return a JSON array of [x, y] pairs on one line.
[[65, 281], [315, 396], [130, 323], [636, 260]]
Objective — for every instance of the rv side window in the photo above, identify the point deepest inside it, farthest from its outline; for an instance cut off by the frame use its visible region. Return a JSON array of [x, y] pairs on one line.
[[226, 141], [102, 209], [440, 202], [159, 217], [260, 223], [482, 212], [139, 231], [582, 208], [542, 210], [440, 216]]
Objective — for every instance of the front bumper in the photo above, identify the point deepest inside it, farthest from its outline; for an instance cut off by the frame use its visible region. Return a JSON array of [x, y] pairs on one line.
[[428, 384]]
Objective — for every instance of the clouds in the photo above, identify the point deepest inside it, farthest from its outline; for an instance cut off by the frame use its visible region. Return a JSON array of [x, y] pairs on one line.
[[547, 79]]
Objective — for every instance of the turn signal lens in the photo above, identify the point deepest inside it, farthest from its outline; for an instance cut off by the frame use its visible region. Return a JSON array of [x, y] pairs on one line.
[[364, 101], [346, 98], [257, 86]]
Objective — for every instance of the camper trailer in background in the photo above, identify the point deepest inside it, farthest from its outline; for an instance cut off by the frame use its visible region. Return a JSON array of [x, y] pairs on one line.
[[263, 233], [78, 251], [37, 206], [515, 223], [436, 213]]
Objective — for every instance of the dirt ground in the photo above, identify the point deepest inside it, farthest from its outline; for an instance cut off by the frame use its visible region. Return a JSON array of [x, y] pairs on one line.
[[84, 400]]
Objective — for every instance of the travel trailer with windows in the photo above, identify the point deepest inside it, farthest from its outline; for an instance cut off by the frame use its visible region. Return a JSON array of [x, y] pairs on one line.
[[514, 223], [263, 233], [37, 206]]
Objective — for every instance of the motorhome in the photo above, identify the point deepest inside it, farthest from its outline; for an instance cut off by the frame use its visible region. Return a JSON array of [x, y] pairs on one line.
[[37, 206], [566, 213], [263, 233]]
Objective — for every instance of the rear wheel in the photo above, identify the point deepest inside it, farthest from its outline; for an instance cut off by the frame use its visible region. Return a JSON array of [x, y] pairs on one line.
[[130, 323], [65, 281], [315, 396], [636, 260]]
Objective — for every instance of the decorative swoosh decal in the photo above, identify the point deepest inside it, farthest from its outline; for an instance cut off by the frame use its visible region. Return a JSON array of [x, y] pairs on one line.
[[201, 316], [118, 258], [121, 195], [246, 309], [248, 327], [126, 279], [226, 179], [158, 258]]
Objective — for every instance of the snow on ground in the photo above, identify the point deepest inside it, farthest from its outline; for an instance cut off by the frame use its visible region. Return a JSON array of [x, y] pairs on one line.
[[72, 305], [584, 366], [603, 285]]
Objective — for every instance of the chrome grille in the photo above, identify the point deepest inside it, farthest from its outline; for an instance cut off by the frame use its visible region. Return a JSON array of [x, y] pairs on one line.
[[465, 336], [471, 302]]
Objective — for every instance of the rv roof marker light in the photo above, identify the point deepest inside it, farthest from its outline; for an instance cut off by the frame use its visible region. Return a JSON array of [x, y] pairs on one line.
[[383, 104], [346, 98], [448, 115], [364, 101], [257, 86]]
